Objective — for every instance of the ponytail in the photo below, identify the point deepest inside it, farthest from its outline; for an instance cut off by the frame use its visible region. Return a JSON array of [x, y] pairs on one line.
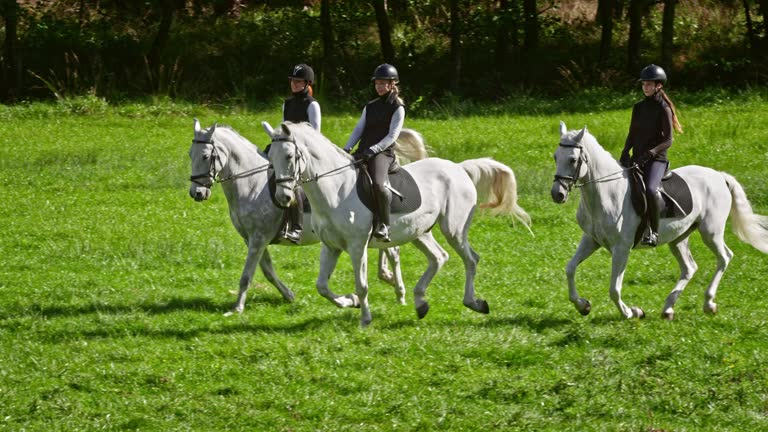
[[309, 89], [675, 122], [394, 95]]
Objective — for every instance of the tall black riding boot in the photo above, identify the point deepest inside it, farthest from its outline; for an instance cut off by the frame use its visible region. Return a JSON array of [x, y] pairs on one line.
[[383, 198], [654, 207], [295, 220]]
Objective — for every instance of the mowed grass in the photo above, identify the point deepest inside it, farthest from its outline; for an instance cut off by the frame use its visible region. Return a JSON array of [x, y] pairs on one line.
[[114, 282]]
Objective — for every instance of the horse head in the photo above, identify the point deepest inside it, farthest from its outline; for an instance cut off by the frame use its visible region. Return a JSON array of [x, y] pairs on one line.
[[287, 160], [570, 159], [206, 162]]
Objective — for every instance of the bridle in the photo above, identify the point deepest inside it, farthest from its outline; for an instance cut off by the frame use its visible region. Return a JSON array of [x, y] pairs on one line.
[[568, 182], [298, 170], [212, 173]]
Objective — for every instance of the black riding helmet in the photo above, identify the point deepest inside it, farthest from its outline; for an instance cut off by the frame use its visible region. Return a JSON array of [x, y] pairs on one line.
[[385, 72], [653, 73], [303, 72]]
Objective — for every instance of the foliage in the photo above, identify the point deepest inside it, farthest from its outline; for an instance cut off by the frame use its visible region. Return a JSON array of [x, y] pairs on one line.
[[238, 52], [114, 282]]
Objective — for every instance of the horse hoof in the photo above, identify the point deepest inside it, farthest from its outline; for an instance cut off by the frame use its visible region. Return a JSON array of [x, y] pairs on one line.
[[711, 309], [669, 316], [422, 310], [637, 312], [482, 306], [586, 309]]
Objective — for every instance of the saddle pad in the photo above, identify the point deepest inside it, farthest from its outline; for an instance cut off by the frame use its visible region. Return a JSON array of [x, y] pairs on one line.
[[673, 187], [272, 187], [401, 181]]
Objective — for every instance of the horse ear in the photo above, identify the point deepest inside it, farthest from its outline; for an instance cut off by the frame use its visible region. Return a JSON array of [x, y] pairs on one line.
[[268, 128], [197, 125], [563, 129], [580, 135], [286, 131]]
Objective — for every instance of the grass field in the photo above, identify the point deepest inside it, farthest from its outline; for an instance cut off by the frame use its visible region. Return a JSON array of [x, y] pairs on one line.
[[114, 282]]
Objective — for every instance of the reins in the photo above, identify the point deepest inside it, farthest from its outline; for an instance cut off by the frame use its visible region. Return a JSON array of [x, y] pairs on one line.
[[213, 175], [572, 180]]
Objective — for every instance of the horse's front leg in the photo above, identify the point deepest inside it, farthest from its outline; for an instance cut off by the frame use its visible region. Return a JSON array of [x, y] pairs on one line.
[[256, 247], [269, 272], [586, 248], [396, 279], [328, 259], [619, 258], [384, 273], [359, 257]]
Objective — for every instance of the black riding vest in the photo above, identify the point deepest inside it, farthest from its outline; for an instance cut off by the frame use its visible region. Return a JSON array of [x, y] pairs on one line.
[[651, 127], [295, 108], [378, 115]]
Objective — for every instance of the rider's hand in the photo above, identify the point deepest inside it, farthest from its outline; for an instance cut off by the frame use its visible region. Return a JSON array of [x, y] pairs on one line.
[[368, 154]]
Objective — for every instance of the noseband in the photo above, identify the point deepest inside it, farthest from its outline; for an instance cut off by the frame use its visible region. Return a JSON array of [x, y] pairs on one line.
[[211, 174], [568, 182]]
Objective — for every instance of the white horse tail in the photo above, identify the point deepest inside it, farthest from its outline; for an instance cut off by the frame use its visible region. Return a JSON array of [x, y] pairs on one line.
[[749, 227], [496, 188], [410, 147]]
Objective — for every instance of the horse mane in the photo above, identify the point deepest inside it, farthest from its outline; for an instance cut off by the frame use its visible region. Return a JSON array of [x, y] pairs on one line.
[[590, 144], [306, 133], [237, 134]]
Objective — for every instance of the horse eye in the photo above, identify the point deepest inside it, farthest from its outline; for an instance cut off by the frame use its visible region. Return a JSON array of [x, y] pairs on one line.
[[574, 159], [205, 157]]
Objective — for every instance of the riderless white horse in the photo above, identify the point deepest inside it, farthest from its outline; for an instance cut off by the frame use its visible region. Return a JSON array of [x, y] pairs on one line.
[[449, 193], [608, 220], [221, 154]]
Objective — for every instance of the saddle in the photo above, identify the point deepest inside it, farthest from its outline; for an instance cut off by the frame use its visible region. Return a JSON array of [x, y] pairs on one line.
[[406, 196], [675, 193]]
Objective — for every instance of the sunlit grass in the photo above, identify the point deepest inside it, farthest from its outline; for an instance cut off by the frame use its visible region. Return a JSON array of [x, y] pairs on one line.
[[114, 282]]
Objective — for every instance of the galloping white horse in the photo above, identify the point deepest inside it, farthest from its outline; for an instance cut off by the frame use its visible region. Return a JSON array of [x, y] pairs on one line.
[[220, 153], [448, 191], [608, 219]]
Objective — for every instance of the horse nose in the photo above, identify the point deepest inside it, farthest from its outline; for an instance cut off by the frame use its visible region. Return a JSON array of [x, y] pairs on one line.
[[199, 194], [558, 195]]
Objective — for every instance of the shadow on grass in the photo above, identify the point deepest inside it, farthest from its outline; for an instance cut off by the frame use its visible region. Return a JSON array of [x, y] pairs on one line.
[[172, 305]]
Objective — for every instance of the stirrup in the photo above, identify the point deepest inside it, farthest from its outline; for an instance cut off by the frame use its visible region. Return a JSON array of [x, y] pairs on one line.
[[293, 235], [382, 233], [651, 239]]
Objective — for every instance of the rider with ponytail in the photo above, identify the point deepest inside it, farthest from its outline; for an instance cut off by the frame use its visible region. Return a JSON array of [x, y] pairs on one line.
[[378, 128], [650, 136], [300, 107]]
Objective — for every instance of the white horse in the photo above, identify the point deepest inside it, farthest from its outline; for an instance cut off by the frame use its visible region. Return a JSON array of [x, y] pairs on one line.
[[448, 192], [608, 220], [221, 154]]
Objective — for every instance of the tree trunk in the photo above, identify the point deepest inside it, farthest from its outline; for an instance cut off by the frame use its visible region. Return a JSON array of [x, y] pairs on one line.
[[751, 36], [385, 31], [167, 11], [605, 18], [330, 78], [635, 34], [455, 78], [667, 33], [531, 26], [11, 87], [502, 37]]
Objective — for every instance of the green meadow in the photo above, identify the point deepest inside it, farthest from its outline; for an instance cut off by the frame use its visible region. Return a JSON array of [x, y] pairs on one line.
[[114, 284]]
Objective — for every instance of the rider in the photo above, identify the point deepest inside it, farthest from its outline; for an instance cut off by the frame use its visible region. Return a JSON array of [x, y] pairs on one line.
[[300, 107], [649, 137], [378, 128]]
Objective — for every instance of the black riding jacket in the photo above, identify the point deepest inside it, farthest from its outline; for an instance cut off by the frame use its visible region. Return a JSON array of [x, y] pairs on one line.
[[650, 130], [295, 108], [378, 115]]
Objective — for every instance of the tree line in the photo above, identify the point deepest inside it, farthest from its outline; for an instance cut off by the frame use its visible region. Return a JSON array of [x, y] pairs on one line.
[[241, 50]]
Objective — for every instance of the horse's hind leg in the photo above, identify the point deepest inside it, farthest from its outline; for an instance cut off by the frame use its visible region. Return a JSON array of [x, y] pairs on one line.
[[396, 278], [436, 257], [458, 237], [716, 243], [328, 259], [688, 268], [269, 272], [384, 274]]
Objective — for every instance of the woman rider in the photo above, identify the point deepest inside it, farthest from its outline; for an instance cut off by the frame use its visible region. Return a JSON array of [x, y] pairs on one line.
[[650, 135], [378, 128], [300, 107]]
